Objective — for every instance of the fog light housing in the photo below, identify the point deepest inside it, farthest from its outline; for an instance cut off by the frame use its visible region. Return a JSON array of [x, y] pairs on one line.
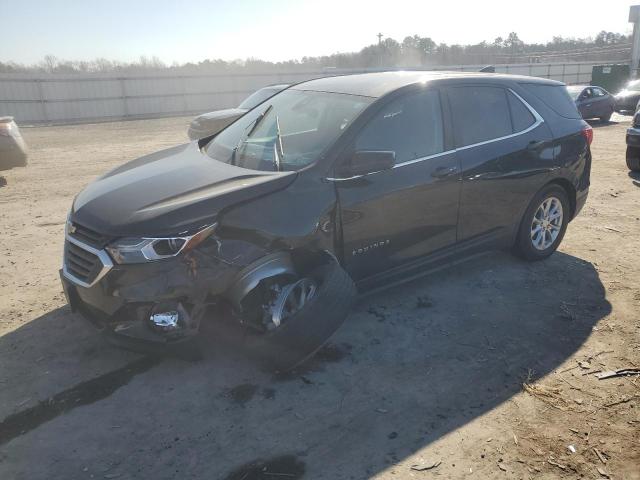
[[166, 320], [169, 317]]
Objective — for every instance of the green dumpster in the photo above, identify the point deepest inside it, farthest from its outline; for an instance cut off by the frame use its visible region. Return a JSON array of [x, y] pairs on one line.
[[611, 77]]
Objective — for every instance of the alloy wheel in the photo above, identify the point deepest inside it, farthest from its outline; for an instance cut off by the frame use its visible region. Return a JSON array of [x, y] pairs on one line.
[[291, 299], [547, 223]]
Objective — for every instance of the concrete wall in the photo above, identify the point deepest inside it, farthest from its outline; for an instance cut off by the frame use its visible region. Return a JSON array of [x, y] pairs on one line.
[[79, 98]]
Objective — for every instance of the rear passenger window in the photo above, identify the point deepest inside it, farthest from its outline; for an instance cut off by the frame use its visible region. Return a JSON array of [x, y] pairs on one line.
[[555, 97], [411, 126], [480, 114], [521, 117]]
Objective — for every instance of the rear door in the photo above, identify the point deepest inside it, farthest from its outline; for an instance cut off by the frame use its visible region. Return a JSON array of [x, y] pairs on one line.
[[600, 105], [503, 147], [393, 217]]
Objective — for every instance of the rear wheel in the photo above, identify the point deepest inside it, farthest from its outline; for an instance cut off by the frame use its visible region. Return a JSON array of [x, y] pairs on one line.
[[633, 158], [544, 224], [607, 117], [299, 315]]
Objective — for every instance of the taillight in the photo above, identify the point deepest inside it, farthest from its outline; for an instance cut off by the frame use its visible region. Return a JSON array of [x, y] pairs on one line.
[[587, 133]]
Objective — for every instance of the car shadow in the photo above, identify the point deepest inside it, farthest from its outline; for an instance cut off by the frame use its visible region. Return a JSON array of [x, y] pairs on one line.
[[601, 123], [410, 365]]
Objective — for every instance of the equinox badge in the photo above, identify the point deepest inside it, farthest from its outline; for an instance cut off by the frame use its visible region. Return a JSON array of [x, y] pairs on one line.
[[360, 251]]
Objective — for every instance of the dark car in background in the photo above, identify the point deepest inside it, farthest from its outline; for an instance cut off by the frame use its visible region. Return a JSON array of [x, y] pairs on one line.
[[593, 101], [627, 99], [333, 186], [633, 144], [211, 123]]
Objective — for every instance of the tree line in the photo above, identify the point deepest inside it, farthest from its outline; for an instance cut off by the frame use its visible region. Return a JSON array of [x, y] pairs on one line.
[[414, 51]]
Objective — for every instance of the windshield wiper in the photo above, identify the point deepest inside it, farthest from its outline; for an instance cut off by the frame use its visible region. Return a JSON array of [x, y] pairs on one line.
[[278, 151], [251, 128]]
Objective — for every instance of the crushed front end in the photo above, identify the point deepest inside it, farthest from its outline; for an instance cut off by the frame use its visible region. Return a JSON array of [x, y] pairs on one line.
[[158, 301]]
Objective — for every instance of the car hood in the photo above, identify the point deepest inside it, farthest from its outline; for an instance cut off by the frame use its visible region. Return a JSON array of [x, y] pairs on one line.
[[221, 115], [169, 192]]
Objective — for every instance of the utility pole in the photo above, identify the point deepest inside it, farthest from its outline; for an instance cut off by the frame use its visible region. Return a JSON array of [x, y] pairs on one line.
[[634, 17], [379, 38]]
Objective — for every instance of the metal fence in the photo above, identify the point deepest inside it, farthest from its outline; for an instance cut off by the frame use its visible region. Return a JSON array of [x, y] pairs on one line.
[[83, 98]]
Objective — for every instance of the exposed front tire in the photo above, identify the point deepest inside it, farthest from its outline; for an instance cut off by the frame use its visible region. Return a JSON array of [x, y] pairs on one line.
[[544, 224], [328, 293], [633, 158]]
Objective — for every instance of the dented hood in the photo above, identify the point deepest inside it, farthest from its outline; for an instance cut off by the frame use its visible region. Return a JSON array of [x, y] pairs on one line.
[[169, 192]]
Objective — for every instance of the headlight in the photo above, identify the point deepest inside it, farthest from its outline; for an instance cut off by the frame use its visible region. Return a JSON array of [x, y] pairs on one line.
[[141, 250]]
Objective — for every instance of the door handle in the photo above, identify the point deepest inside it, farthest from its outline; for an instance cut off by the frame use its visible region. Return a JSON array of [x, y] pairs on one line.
[[535, 144], [443, 172]]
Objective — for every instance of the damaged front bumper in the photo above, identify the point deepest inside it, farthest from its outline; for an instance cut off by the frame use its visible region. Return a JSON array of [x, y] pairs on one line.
[[160, 302]]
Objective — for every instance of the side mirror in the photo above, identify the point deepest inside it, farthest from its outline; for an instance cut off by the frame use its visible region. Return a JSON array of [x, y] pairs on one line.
[[367, 161]]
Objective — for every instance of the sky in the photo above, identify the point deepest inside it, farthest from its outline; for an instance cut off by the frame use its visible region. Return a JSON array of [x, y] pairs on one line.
[[193, 30]]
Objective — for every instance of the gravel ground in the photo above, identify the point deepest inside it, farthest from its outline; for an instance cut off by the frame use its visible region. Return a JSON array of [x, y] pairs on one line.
[[485, 370]]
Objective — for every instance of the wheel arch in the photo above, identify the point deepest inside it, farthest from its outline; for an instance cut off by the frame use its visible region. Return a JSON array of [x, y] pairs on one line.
[[291, 262], [570, 190], [562, 183]]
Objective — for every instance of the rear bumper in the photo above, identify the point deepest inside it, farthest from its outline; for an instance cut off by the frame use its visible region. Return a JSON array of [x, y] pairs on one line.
[[633, 137], [581, 199]]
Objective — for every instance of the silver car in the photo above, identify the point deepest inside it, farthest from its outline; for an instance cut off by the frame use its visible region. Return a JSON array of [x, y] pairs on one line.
[[211, 123], [13, 150]]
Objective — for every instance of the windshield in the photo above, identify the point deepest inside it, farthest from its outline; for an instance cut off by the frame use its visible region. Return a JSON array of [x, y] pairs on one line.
[[575, 91], [634, 86], [256, 98], [288, 132]]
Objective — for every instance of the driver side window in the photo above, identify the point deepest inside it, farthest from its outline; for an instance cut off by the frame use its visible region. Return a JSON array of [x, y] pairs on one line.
[[410, 126]]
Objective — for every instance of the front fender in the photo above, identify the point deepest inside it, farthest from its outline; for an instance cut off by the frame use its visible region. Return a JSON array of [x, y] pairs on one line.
[[248, 278]]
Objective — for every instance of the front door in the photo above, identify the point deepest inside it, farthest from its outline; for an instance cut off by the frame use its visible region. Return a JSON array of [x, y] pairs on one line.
[[395, 216]]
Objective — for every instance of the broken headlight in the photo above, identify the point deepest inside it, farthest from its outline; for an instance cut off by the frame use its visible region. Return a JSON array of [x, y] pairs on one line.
[[141, 250]]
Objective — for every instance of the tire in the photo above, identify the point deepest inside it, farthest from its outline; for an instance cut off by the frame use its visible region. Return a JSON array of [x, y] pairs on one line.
[[633, 159], [607, 117], [304, 333], [524, 245]]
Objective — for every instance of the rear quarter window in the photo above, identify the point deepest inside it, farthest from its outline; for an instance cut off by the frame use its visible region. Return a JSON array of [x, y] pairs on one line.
[[521, 117], [555, 97], [480, 114]]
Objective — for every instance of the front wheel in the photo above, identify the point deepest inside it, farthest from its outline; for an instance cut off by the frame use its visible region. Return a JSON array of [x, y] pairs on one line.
[[301, 314], [633, 159], [544, 224]]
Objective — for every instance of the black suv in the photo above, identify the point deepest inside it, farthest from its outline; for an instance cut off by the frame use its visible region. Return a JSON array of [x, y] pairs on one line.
[[332, 187]]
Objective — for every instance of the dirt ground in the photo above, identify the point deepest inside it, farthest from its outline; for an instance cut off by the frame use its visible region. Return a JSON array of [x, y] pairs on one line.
[[485, 370]]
